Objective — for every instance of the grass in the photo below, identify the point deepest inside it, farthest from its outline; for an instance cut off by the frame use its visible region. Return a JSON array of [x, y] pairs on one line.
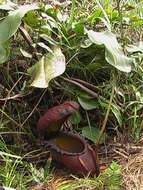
[[22, 157], [110, 180]]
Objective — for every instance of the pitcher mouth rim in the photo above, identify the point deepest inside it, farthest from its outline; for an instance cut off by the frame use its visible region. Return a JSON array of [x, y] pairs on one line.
[[51, 145]]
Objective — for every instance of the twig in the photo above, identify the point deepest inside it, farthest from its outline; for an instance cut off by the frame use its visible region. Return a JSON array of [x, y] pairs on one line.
[[15, 96], [121, 154], [82, 87], [25, 35], [86, 84]]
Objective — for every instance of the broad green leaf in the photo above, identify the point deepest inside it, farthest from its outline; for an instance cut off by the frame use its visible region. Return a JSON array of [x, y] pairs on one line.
[[75, 118], [88, 103], [4, 51], [50, 66], [92, 134], [9, 26], [113, 52]]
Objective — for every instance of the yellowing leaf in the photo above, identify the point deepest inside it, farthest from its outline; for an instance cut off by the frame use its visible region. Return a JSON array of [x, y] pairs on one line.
[[50, 66]]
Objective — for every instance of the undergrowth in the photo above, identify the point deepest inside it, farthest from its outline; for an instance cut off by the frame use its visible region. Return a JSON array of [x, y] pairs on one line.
[[67, 26]]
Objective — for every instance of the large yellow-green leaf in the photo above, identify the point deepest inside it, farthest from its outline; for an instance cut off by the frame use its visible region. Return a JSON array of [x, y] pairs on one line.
[[50, 66], [113, 51], [9, 26]]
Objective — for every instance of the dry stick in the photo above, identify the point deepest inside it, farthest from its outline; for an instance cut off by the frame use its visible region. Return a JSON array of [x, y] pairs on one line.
[[15, 96], [82, 87], [27, 38], [86, 84], [25, 35]]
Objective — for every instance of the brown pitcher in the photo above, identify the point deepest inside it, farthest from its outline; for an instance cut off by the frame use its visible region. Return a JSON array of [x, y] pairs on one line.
[[66, 147]]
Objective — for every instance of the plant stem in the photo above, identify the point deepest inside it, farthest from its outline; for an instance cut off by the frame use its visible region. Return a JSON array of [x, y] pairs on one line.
[[104, 125], [107, 113]]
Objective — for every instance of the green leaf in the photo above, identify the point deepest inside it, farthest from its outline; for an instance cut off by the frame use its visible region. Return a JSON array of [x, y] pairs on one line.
[[113, 52], [4, 51], [92, 134], [117, 114], [78, 28], [95, 15], [88, 103], [32, 20], [9, 26], [50, 66], [75, 118], [112, 177]]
